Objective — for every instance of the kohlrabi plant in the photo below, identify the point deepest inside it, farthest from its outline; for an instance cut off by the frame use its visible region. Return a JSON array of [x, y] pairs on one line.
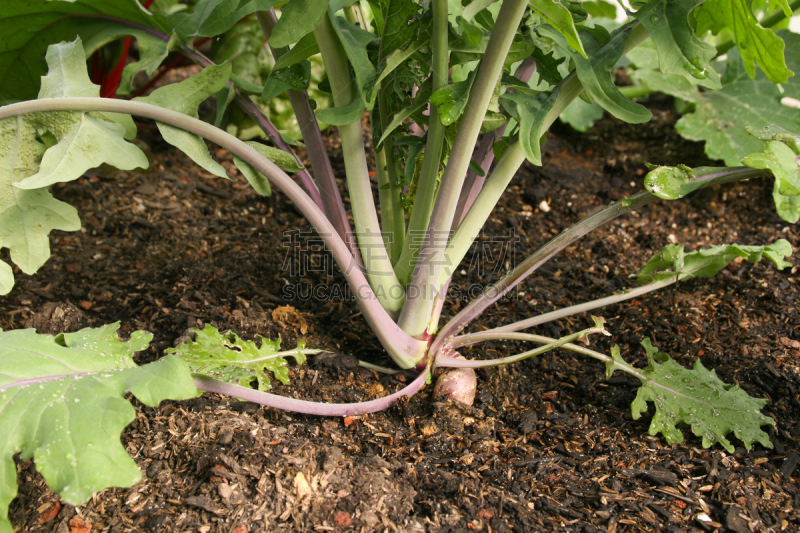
[[459, 97]]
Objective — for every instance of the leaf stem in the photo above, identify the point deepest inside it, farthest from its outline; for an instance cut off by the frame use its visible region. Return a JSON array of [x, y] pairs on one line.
[[448, 361], [404, 350], [416, 312], [368, 230], [307, 407], [576, 309], [567, 237], [425, 194], [315, 147]]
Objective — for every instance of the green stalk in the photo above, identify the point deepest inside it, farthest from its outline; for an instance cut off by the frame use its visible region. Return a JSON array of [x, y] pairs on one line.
[[506, 168], [368, 230], [416, 312], [389, 193], [429, 171]]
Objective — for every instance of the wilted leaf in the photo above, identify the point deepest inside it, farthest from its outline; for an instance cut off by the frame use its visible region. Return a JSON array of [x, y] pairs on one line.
[[62, 403]]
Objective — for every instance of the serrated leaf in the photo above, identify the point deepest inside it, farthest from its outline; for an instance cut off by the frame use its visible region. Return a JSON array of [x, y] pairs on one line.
[[698, 398], [597, 73], [29, 26], [84, 140], [560, 18], [721, 117], [228, 358], [62, 403], [672, 263], [298, 18], [757, 45], [26, 216], [679, 50], [186, 97], [420, 102]]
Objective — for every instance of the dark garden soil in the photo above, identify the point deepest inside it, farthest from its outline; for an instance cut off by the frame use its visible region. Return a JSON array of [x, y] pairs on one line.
[[549, 445]]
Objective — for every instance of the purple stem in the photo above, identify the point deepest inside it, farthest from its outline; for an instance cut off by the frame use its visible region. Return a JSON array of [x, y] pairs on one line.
[[404, 349], [445, 360], [567, 237], [305, 406], [474, 183], [252, 110], [315, 146]]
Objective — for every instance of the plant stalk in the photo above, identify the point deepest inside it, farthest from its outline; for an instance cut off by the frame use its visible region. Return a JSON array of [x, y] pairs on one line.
[[567, 237], [404, 350], [368, 230], [305, 406], [425, 193], [315, 147], [451, 362], [416, 312]]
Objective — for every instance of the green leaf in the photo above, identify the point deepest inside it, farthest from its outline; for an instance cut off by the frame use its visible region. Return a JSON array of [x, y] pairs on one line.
[[258, 180], [695, 397], [580, 115], [781, 155], [85, 140], [298, 18], [295, 77], [530, 110], [208, 19], [721, 117], [186, 97], [354, 41], [29, 26], [420, 102], [597, 73], [305, 48], [600, 9], [679, 50], [342, 116], [228, 358], [560, 18], [62, 402], [26, 216], [451, 100], [756, 44], [671, 183], [673, 263]]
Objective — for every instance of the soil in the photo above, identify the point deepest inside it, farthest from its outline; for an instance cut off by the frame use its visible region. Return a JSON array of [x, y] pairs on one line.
[[549, 445]]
